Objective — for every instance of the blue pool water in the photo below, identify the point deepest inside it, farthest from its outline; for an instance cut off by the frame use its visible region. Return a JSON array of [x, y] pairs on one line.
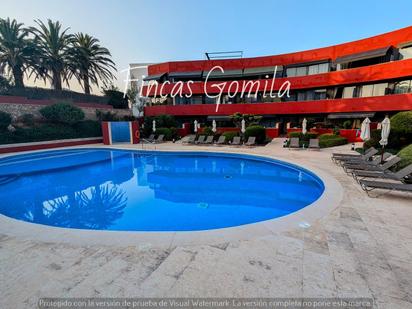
[[124, 190]]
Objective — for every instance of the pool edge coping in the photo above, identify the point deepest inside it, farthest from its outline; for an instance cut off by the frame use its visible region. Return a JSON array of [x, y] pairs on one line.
[[301, 219]]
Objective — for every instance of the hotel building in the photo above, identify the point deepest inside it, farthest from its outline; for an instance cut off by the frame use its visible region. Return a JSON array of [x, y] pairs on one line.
[[370, 77]]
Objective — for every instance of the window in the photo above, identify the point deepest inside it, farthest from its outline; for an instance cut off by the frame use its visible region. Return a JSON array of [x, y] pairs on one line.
[[301, 71], [291, 72], [301, 96], [402, 87], [320, 94], [367, 91], [313, 69], [405, 53], [323, 68], [379, 89], [348, 92], [197, 99]]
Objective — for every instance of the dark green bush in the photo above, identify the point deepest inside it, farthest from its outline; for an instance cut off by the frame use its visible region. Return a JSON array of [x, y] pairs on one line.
[[116, 98], [347, 124], [5, 120], [88, 128], [106, 116], [331, 140], [396, 140], [258, 131], [402, 122], [166, 132], [27, 119], [207, 131], [230, 135], [406, 155], [62, 113], [303, 137], [49, 132], [162, 121]]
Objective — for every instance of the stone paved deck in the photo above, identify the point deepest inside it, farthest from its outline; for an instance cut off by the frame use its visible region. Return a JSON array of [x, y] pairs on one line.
[[361, 249]]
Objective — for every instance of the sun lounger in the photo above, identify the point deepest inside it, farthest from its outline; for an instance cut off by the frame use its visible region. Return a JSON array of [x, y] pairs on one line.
[[159, 139], [221, 140], [151, 138], [209, 140], [362, 158], [357, 174], [399, 175], [251, 141], [236, 140], [190, 139], [294, 142], [368, 186], [314, 143], [342, 156], [348, 166], [201, 139]]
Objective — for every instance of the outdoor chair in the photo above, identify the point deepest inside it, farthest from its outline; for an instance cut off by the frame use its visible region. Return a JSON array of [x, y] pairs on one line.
[[314, 143], [159, 139], [190, 139], [342, 156], [251, 141], [209, 140], [399, 175], [294, 142], [221, 140], [236, 140], [362, 158], [356, 174], [368, 186], [348, 166], [200, 140]]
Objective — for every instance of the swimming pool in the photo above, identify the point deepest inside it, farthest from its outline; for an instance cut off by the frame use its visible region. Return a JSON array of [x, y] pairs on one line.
[[125, 190]]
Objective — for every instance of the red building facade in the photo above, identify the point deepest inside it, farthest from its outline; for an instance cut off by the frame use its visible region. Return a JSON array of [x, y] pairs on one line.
[[369, 77]]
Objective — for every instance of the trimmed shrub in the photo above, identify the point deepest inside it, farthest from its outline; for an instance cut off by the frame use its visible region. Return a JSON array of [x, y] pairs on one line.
[[27, 119], [331, 140], [402, 122], [168, 133], [106, 116], [88, 128], [116, 98], [406, 155], [303, 137], [62, 113], [230, 135], [207, 131], [258, 131], [5, 120]]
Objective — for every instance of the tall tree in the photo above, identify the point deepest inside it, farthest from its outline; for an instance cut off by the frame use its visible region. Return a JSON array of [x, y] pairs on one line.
[[91, 62], [17, 51], [54, 45]]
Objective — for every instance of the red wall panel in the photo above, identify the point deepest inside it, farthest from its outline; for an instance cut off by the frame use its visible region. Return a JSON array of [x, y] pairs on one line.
[[392, 38], [397, 102]]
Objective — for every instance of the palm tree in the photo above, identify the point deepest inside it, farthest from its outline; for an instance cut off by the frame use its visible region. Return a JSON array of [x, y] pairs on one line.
[[17, 51], [54, 45], [90, 61]]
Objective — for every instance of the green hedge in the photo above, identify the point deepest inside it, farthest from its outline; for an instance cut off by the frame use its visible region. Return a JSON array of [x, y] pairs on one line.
[[406, 155], [62, 113], [258, 131], [229, 136], [331, 140], [303, 137], [49, 132], [5, 120], [207, 131], [168, 133], [402, 122]]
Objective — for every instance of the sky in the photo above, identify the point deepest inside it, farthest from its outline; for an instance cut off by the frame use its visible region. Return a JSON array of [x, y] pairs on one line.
[[137, 31]]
